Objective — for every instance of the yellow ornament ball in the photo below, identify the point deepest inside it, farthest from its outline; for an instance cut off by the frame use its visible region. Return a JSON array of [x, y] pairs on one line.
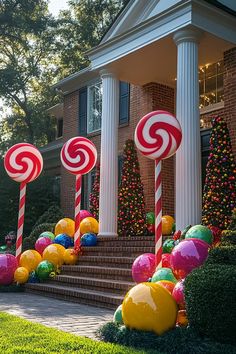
[[30, 260], [89, 225], [167, 224], [70, 257], [54, 254], [65, 226], [149, 307], [21, 275]]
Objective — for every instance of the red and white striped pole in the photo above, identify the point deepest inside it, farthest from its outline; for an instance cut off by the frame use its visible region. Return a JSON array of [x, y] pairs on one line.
[[158, 214], [21, 217], [78, 183]]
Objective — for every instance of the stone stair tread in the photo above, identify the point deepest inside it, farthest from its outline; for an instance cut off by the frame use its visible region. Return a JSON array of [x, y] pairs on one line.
[[92, 267], [107, 258], [75, 290], [118, 248], [108, 281]]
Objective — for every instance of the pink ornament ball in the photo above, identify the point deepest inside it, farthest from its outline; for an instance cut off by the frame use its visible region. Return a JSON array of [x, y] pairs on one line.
[[42, 243], [8, 265], [143, 267], [85, 214], [166, 260], [188, 255], [178, 293]]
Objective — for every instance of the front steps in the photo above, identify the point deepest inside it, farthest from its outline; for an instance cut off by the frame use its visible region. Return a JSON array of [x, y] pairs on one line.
[[102, 276]]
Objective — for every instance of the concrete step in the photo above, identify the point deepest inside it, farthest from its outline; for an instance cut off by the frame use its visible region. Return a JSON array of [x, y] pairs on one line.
[[84, 296], [117, 251], [107, 261], [105, 285], [98, 272]]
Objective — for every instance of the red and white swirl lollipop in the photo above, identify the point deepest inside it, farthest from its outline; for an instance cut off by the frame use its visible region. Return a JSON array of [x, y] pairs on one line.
[[158, 136], [78, 156], [23, 163]]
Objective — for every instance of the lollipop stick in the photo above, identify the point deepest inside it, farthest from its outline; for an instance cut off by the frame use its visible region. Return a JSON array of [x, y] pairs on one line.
[[21, 217], [77, 210], [158, 214]]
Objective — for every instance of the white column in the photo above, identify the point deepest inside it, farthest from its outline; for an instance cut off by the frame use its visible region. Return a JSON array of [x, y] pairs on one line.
[[109, 155], [188, 190]]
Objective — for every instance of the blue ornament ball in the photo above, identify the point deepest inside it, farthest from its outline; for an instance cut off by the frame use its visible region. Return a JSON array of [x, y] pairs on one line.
[[64, 240], [89, 240], [33, 278]]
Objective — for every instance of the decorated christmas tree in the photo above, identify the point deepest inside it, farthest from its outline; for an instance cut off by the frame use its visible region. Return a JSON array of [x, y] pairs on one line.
[[131, 204], [219, 190], [94, 195]]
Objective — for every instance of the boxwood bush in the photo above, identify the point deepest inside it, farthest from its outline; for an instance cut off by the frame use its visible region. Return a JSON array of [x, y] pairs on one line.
[[222, 255], [28, 242], [211, 301], [228, 238], [52, 215]]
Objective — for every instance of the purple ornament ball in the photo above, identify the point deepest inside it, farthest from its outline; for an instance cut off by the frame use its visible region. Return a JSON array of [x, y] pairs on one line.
[[8, 265], [143, 267]]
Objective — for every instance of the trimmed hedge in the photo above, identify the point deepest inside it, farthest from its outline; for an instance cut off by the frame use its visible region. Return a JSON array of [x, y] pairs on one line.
[[176, 341], [228, 238], [28, 242], [211, 301], [52, 215], [222, 255]]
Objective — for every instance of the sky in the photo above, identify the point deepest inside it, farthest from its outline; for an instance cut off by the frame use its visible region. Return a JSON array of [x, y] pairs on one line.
[[56, 5]]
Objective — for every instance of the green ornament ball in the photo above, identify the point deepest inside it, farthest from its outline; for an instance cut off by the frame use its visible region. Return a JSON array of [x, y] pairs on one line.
[[150, 218], [168, 246], [47, 234], [117, 318], [164, 274], [201, 232], [44, 269]]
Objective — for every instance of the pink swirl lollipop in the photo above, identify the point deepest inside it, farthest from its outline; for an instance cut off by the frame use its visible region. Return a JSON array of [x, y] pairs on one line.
[[23, 163], [78, 156], [157, 136]]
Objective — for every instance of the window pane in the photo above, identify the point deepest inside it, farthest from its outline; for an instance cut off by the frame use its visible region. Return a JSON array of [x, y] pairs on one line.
[[211, 70], [95, 107]]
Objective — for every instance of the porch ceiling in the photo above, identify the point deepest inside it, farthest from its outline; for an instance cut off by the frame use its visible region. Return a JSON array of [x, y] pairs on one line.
[[157, 62]]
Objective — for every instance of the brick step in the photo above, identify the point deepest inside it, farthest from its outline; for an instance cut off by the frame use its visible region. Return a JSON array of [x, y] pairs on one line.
[[98, 272], [128, 241], [107, 261], [120, 251], [89, 297], [104, 285]]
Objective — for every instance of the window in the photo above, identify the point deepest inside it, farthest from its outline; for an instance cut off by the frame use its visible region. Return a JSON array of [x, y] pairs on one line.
[[59, 127], [94, 107], [211, 84]]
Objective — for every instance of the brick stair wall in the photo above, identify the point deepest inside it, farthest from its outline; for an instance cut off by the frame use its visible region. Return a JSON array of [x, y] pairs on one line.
[[102, 276]]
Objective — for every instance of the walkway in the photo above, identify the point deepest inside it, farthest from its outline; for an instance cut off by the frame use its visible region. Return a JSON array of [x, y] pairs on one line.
[[78, 319]]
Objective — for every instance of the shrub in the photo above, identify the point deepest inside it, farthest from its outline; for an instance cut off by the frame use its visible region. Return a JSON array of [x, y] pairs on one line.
[[222, 255], [28, 242], [228, 238], [176, 341], [211, 302], [52, 215]]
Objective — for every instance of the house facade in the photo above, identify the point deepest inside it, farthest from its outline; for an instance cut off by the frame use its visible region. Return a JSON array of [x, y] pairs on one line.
[[178, 56]]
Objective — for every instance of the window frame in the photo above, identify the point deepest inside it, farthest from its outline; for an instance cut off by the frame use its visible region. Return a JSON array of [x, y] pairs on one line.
[[92, 84]]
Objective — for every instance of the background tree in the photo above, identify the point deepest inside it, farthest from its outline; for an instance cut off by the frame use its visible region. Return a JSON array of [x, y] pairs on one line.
[[219, 189], [131, 204], [94, 195]]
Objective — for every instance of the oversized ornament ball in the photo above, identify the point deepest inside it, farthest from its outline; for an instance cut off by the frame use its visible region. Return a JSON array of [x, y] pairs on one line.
[[8, 265], [188, 255], [84, 214], [65, 226], [54, 254], [149, 307], [33, 278], [42, 243], [168, 285], [182, 320], [167, 225], [201, 232], [163, 274], [89, 225], [151, 229], [89, 240], [166, 260], [168, 245], [70, 257], [21, 275], [178, 293], [44, 270], [143, 267], [117, 318], [47, 234], [64, 240], [150, 218], [30, 260]]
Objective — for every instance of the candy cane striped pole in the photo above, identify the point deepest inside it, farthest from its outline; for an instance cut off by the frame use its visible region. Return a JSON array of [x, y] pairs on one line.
[[21, 217], [78, 183], [158, 215]]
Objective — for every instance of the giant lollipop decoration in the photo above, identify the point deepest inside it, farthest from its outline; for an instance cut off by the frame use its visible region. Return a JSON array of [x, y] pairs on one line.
[[78, 156], [23, 163], [158, 136]]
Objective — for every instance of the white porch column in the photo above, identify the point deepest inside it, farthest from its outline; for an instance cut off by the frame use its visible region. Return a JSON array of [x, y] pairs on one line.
[[109, 155], [188, 191]]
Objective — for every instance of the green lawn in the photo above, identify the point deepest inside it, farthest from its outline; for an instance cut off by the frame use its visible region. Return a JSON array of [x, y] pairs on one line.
[[19, 336]]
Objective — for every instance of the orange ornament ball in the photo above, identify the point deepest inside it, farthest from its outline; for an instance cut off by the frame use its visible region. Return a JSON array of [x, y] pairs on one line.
[[70, 257], [89, 225], [65, 226], [167, 224], [168, 285]]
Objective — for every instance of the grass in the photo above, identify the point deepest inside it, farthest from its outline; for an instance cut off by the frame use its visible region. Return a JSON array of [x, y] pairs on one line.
[[20, 336]]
